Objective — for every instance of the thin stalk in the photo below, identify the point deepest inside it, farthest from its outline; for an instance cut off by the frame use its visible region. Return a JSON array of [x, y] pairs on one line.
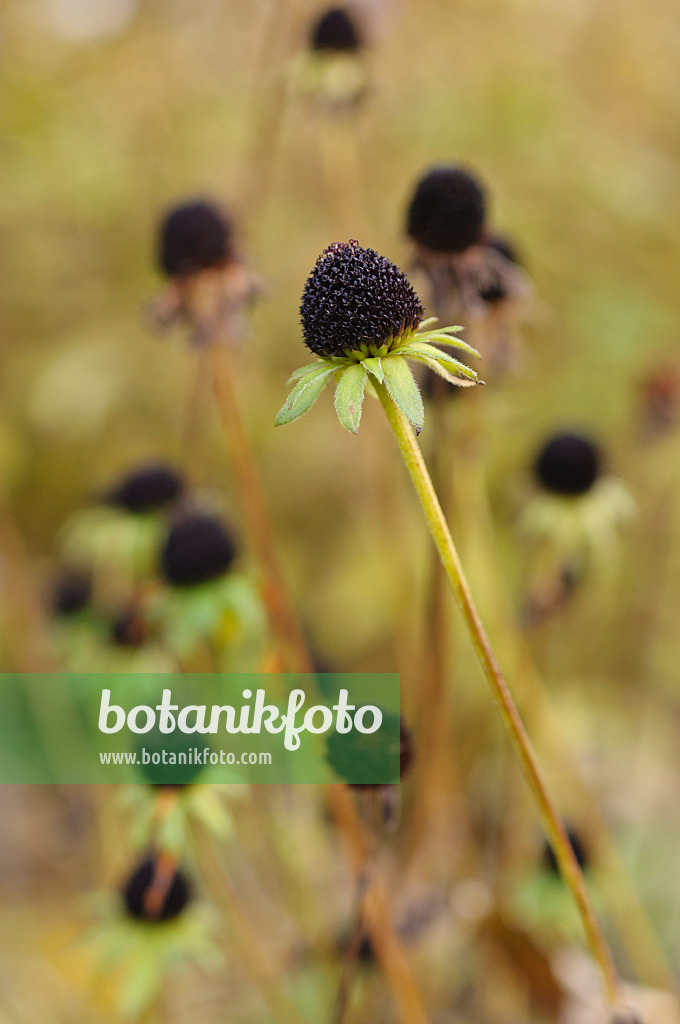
[[512, 721], [284, 620]]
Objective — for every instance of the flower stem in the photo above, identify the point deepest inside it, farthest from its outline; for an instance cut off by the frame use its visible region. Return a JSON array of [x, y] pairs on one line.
[[512, 721]]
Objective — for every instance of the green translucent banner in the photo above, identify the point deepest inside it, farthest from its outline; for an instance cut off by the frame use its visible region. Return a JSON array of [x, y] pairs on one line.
[[175, 729]]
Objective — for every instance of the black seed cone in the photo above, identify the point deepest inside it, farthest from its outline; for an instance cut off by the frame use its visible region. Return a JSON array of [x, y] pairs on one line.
[[198, 548], [194, 236], [354, 295], [577, 845], [72, 592], [147, 489], [335, 30], [137, 888], [569, 464], [447, 210]]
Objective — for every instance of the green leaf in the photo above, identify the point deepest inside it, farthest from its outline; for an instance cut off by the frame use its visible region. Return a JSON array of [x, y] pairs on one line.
[[428, 322], [304, 394], [375, 367], [437, 368], [404, 390], [302, 371], [444, 359], [349, 396], [446, 339]]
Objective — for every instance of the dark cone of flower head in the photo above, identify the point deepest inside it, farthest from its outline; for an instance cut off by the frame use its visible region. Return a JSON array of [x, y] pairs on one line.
[[335, 31], [147, 489], [151, 898], [194, 236], [568, 465], [72, 592], [447, 210], [354, 296], [198, 548]]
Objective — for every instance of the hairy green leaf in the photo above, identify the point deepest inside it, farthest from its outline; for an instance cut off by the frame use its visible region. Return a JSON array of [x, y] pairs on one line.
[[304, 394], [349, 396], [375, 367], [444, 359], [404, 390]]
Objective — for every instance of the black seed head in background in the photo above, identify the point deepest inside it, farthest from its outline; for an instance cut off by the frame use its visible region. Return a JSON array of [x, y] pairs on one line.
[[354, 295], [447, 210], [569, 464], [335, 30], [194, 236], [495, 291], [129, 629], [577, 845], [72, 592], [198, 548], [136, 893], [147, 489]]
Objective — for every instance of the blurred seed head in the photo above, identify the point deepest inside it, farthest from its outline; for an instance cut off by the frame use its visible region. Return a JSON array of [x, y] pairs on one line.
[[197, 549], [354, 296], [150, 897], [447, 211], [147, 489], [72, 593], [577, 845], [569, 465], [335, 31], [194, 236]]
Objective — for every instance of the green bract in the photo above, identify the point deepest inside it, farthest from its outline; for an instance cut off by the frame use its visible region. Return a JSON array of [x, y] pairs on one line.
[[386, 364]]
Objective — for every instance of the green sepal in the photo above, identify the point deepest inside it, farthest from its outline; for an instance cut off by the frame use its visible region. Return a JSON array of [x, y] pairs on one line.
[[349, 396], [375, 367], [302, 371], [445, 339], [438, 368], [304, 394], [404, 390], [444, 359]]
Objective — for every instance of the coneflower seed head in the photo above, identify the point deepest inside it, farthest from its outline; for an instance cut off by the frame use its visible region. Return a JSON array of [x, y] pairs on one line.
[[147, 489], [137, 889], [353, 297], [198, 548], [335, 30], [447, 211], [568, 464], [194, 236]]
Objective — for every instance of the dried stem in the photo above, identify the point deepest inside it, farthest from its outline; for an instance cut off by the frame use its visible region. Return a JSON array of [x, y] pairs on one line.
[[552, 822]]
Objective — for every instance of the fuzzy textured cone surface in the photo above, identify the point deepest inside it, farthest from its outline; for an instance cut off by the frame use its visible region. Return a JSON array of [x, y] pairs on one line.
[[354, 296], [194, 236], [147, 489], [569, 464], [447, 211], [335, 31], [198, 548], [137, 895]]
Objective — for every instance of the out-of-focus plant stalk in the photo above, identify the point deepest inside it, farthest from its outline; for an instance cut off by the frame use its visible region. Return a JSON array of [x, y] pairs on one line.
[[284, 619], [512, 721]]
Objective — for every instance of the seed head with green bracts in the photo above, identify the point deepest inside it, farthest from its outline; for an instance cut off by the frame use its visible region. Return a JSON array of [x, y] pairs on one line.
[[363, 319]]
